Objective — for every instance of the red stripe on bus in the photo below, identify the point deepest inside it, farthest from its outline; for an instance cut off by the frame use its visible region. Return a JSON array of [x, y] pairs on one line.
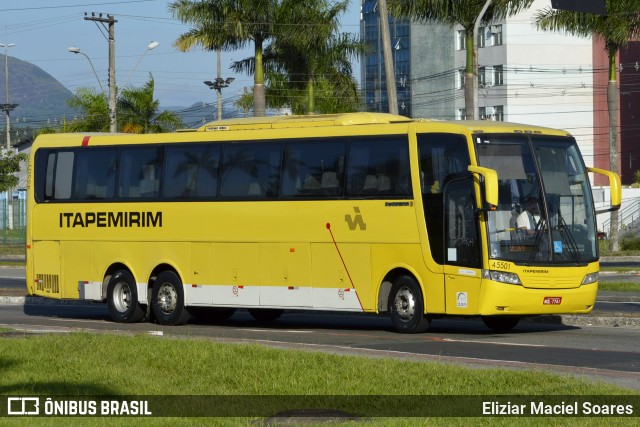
[[85, 141]]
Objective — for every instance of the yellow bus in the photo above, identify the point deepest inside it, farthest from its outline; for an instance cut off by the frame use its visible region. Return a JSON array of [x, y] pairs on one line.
[[359, 212]]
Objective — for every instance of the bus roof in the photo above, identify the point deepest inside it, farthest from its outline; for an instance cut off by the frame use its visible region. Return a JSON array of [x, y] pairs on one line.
[[275, 122], [365, 118]]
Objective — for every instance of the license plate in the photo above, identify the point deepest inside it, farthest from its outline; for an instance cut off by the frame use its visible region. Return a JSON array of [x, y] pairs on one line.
[[552, 300]]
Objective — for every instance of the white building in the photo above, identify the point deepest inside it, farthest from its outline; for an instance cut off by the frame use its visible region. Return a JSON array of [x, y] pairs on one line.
[[533, 77]]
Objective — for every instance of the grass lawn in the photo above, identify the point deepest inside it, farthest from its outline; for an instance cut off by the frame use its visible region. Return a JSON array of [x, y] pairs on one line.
[[619, 287], [105, 364]]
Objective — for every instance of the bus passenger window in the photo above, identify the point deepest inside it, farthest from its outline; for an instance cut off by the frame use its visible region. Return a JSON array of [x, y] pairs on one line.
[[95, 174], [59, 175], [314, 169], [250, 170], [378, 166], [191, 171], [140, 172]]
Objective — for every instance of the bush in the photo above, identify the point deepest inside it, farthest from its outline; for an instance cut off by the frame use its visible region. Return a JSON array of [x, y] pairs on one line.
[[629, 243]]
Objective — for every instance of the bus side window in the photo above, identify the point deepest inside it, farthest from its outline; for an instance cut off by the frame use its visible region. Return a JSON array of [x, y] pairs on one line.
[[191, 171], [314, 169], [250, 170], [95, 174], [378, 166], [59, 175], [140, 172]]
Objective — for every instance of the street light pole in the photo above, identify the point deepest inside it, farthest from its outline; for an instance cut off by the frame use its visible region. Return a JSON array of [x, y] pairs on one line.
[[76, 50], [218, 85], [151, 46]]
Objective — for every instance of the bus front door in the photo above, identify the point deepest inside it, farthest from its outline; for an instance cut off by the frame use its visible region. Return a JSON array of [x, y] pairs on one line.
[[463, 263]]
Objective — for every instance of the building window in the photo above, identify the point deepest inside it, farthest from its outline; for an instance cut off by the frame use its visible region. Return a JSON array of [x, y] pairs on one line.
[[482, 113], [498, 75], [482, 77], [496, 35], [461, 41], [461, 113], [481, 39], [460, 76], [498, 113]]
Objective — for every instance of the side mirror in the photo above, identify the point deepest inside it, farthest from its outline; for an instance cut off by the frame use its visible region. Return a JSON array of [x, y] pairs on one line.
[[614, 185], [490, 177]]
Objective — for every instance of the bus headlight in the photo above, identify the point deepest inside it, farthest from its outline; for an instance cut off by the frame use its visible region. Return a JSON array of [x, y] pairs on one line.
[[502, 277], [590, 278]]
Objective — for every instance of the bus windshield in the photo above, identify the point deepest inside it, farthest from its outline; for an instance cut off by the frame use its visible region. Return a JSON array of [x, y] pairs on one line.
[[545, 213]]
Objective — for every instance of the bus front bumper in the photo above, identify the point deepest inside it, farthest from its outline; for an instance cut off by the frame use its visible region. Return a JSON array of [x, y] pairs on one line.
[[501, 298]]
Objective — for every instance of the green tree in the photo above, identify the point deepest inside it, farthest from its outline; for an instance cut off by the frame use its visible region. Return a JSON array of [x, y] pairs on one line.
[[230, 25], [9, 166], [94, 108], [308, 66], [315, 57], [464, 13], [138, 111], [616, 28]]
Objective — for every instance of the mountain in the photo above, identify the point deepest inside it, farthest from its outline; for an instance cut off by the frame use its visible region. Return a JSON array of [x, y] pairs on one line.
[[41, 99]]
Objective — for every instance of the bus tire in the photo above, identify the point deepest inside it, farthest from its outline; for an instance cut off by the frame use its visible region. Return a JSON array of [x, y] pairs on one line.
[[122, 298], [167, 299], [266, 314], [406, 306], [501, 323]]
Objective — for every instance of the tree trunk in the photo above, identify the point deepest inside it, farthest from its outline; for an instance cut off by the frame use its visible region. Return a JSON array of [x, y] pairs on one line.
[[613, 107], [311, 104], [469, 78], [259, 102]]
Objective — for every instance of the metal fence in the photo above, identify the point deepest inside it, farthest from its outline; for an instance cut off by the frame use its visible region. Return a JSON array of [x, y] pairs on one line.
[[14, 221]]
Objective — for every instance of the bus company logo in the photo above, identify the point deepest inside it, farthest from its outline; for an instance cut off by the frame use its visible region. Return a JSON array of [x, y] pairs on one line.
[[535, 271], [356, 222], [144, 219]]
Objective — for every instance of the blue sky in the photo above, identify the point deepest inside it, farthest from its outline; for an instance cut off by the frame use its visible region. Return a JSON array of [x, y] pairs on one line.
[[42, 30]]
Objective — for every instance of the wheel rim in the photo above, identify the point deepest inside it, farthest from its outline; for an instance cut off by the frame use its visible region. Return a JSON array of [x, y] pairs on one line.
[[405, 304], [122, 296], [167, 298]]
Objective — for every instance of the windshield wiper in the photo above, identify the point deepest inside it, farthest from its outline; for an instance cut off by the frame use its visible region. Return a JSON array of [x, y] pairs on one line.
[[567, 237]]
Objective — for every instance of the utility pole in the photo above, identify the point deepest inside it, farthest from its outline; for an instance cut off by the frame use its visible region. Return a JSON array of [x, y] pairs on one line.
[[110, 20], [390, 74], [7, 108]]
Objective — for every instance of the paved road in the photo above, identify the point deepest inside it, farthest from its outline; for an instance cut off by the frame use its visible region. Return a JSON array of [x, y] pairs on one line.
[[606, 353]]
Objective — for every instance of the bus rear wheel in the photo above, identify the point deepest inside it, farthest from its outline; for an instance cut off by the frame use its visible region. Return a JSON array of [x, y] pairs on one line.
[[406, 306], [266, 314], [122, 298], [167, 299], [501, 323]]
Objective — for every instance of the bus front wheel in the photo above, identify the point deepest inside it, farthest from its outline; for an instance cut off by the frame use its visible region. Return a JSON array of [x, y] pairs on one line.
[[406, 306], [501, 323], [122, 298], [167, 299]]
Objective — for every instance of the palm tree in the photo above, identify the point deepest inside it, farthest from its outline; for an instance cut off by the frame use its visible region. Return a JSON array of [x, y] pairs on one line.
[[229, 25], [310, 60], [616, 28], [95, 110], [464, 13], [138, 111]]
